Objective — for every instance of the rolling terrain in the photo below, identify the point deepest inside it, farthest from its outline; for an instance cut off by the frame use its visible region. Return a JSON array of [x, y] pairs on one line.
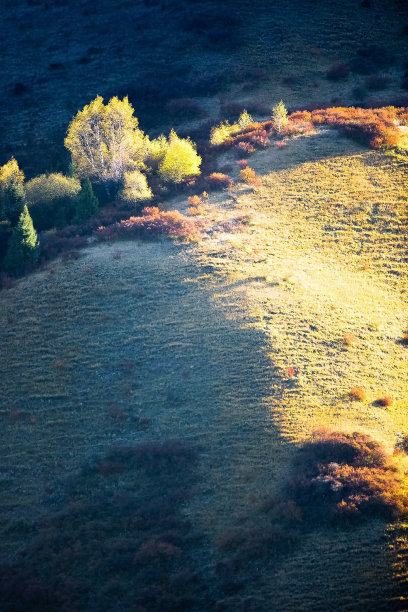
[[235, 345]]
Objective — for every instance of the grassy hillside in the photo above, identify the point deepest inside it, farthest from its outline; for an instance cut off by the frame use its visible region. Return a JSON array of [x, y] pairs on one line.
[[236, 345]]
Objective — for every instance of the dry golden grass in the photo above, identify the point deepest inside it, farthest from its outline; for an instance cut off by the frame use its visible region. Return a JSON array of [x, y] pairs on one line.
[[325, 253]]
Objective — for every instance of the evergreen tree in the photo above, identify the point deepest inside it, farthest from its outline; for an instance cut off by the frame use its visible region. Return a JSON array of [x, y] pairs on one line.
[[23, 248], [13, 201], [87, 204]]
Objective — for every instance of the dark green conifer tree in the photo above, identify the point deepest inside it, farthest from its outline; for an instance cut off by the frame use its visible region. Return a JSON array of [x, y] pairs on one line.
[[87, 203], [13, 201], [23, 249]]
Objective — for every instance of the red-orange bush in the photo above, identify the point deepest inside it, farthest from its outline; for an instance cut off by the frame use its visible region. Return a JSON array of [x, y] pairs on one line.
[[245, 148], [375, 127], [384, 401], [153, 223], [347, 475], [357, 394], [247, 174], [218, 180]]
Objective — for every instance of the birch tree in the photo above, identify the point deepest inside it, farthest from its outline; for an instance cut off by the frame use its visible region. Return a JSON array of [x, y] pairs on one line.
[[105, 141]]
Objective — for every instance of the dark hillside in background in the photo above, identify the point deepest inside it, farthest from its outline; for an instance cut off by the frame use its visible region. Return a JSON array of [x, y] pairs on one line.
[[188, 63]]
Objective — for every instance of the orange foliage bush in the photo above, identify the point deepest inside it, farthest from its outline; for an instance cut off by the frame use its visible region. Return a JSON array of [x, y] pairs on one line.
[[376, 127], [218, 180], [247, 174], [357, 394], [195, 200], [384, 401], [347, 475], [350, 338], [153, 223], [245, 148], [196, 211]]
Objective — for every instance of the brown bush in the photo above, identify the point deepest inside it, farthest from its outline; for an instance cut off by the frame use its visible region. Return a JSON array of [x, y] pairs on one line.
[[347, 475], [375, 127], [349, 338], [248, 175], [357, 394], [245, 148], [384, 401], [152, 224], [218, 180], [195, 200]]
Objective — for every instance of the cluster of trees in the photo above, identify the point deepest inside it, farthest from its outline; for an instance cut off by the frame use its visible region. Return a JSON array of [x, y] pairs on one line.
[[224, 131], [107, 147], [18, 238]]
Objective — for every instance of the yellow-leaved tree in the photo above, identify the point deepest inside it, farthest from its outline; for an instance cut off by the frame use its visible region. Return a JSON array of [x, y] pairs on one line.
[[180, 160], [12, 198], [105, 141]]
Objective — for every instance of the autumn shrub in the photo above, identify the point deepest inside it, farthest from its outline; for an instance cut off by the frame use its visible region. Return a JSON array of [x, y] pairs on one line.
[[153, 223], [244, 148], [242, 163], [300, 122], [375, 127], [247, 174], [195, 200], [218, 180], [343, 476], [357, 394], [281, 144], [350, 339], [384, 401]]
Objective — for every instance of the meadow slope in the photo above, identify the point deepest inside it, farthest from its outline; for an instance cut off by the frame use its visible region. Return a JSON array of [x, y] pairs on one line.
[[235, 344]]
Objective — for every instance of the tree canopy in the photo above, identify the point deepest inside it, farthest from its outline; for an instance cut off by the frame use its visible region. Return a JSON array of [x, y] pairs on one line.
[[105, 141], [180, 160]]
